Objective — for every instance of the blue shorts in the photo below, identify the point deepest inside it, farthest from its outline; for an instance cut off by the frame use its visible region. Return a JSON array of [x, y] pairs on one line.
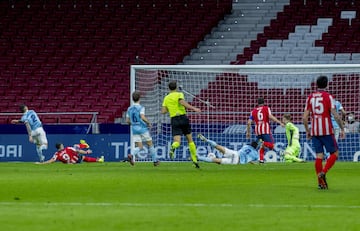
[[266, 138], [328, 142]]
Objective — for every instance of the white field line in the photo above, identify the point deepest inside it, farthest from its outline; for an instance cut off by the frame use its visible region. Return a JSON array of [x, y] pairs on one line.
[[118, 204]]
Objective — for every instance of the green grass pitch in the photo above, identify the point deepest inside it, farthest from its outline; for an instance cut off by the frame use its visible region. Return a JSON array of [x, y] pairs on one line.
[[176, 196]]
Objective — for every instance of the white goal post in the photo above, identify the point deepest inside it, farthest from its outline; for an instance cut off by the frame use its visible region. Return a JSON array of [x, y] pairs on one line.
[[227, 93]]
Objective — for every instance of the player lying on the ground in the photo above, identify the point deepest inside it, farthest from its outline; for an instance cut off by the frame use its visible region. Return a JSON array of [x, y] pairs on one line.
[[247, 153], [72, 155]]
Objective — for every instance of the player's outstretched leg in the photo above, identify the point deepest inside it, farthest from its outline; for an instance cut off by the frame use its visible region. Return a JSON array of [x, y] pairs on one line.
[[201, 137], [205, 159], [291, 158], [101, 159], [211, 142]]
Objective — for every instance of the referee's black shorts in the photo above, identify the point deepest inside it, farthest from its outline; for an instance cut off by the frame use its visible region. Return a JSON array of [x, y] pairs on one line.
[[180, 125]]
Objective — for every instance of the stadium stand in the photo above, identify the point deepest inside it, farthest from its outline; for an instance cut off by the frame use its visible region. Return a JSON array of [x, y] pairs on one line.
[[81, 50], [235, 31], [75, 55], [320, 32], [331, 25]]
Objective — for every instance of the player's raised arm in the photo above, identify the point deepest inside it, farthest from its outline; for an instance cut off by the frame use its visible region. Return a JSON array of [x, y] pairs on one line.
[[164, 110], [189, 106], [50, 161], [273, 118], [16, 122]]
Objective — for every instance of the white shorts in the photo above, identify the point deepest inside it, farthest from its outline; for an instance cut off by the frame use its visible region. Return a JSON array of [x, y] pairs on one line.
[[230, 157], [39, 136], [142, 137]]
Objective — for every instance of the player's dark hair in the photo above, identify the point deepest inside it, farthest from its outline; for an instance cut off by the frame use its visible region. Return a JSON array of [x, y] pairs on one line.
[[58, 145], [254, 144], [22, 107], [287, 116], [261, 101], [136, 96], [322, 82], [172, 85]]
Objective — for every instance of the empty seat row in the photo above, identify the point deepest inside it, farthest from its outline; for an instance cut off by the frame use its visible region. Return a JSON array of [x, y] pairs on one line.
[[58, 42], [303, 26]]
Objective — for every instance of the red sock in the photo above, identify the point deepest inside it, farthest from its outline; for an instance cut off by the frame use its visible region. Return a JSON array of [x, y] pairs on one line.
[[261, 153], [329, 163], [269, 145], [318, 166], [90, 159]]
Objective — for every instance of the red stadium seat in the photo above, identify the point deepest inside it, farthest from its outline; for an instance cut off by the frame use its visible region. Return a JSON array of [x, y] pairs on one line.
[[94, 42]]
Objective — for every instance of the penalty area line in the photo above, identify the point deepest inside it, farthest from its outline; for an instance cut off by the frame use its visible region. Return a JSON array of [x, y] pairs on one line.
[[118, 204]]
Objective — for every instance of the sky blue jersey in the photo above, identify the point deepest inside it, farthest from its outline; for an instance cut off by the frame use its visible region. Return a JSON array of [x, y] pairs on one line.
[[247, 153], [338, 107], [138, 126], [32, 118]]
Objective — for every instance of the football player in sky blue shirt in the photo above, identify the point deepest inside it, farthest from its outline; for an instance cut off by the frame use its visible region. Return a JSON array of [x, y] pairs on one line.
[[342, 113], [247, 153], [34, 129], [135, 117]]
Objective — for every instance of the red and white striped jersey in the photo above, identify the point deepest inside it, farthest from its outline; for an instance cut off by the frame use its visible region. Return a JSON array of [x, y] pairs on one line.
[[319, 104], [68, 155], [260, 115]]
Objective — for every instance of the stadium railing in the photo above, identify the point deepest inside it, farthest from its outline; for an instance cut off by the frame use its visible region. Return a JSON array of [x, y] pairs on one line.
[[60, 118]]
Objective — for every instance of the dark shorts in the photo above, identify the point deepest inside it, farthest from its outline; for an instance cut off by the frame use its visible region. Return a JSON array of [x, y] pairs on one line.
[[180, 125], [328, 142], [266, 138], [80, 159]]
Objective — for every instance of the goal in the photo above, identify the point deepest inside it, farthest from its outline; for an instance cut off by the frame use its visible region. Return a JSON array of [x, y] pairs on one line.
[[227, 93]]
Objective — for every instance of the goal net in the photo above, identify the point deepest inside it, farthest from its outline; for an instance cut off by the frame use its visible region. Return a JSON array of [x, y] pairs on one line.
[[227, 93]]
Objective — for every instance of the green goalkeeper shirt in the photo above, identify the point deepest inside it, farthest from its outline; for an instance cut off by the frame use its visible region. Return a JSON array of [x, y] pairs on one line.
[[292, 134]]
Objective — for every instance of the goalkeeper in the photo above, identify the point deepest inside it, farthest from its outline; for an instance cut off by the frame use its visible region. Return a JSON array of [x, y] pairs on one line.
[[247, 153], [293, 148]]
